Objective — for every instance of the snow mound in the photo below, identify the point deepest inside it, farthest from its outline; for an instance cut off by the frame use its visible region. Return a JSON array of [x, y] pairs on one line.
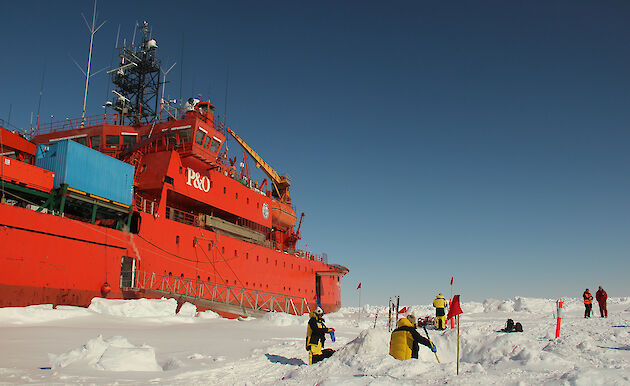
[[188, 310], [137, 308], [282, 320], [114, 354], [518, 304], [39, 314], [208, 315], [369, 342]]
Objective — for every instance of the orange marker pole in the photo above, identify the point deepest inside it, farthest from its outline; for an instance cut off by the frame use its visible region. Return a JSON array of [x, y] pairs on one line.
[[559, 313]]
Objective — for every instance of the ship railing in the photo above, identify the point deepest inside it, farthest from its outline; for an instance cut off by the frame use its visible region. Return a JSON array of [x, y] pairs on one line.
[[145, 205], [111, 119], [242, 297], [311, 256], [76, 123], [180, 216]]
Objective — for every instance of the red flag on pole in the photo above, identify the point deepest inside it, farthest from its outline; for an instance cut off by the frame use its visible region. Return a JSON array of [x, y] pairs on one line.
[[455, 308], [359, 286], [451, 280], [404, 309]]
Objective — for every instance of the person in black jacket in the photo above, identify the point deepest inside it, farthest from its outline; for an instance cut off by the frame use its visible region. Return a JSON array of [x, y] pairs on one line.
[[315, 337], [588, 303]]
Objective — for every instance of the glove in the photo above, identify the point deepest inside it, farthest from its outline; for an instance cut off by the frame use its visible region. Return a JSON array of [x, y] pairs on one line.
[[332, 335], [433, 348]]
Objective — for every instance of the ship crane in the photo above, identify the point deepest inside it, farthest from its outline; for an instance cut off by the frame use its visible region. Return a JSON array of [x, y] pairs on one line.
[[280, 183]]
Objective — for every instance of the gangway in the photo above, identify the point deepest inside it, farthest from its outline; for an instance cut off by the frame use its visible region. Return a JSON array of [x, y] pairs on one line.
[[215, 296]]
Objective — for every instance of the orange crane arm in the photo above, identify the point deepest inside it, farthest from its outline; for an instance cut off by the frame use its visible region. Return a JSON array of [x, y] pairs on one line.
[[280, 183]]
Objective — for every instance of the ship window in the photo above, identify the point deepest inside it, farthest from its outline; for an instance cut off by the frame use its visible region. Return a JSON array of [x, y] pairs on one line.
[[235, 253], [95, 142], [112, 140], [176, 239], [199, 137], [129, 139], [215, 146], [81, 140], [185, 134], [257, 258], [206, 142], [267, 260], [248, 200], [276, 263], [236, 195], [284, 265], [224, 190], [171, 138], [246, 256], [222, 250]]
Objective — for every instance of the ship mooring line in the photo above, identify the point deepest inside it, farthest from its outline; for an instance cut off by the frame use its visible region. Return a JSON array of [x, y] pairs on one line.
[[63, 237]]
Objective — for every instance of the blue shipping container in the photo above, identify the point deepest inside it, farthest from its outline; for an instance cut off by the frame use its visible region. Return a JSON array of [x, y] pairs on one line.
[[87, 170]]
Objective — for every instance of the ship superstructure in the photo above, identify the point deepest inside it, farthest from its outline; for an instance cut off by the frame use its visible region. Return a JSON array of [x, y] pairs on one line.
[[165, 213]]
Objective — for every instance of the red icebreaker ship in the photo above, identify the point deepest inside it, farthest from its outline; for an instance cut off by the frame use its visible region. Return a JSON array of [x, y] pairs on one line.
[[143, 202]]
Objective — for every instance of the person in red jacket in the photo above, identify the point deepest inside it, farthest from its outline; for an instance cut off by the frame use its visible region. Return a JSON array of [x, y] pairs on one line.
[[601, 297]]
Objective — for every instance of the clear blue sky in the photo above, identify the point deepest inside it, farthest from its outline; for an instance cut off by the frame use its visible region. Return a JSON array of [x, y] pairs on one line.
[[489, 140]]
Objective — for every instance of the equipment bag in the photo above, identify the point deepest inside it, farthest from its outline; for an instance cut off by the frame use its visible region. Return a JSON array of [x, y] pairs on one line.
[[518, 327]]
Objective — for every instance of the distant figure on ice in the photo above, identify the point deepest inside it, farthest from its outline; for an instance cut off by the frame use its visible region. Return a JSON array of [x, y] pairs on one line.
[[588, 303], [510, 326], [601, 297], [440, 315], [405, 340], [315, 337]]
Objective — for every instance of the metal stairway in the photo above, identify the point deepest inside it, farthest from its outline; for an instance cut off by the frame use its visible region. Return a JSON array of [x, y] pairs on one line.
[[215, 296]]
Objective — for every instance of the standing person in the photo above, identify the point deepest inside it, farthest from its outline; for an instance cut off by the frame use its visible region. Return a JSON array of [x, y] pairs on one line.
[[405, 340], [440, 315], [315, 337], [601, 297], [588, 303]]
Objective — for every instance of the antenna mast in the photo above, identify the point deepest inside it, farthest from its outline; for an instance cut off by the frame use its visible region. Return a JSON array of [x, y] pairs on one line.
[[137, 80], [92, 30]]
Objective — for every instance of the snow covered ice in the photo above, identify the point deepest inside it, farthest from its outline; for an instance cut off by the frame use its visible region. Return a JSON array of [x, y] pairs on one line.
[[146, 342]]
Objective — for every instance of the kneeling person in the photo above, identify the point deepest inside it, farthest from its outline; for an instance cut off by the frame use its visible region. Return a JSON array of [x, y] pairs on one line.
[[315, 337], [405, 340]]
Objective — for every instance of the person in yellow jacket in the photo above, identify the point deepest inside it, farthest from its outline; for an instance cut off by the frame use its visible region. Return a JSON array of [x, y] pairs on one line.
[[315, 337], [405, 340], [440, 305]]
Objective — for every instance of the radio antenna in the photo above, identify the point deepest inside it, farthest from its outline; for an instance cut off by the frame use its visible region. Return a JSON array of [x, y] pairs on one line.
[[227, 83], [41, 92], [93, 29], [181, 75], [111, 62]]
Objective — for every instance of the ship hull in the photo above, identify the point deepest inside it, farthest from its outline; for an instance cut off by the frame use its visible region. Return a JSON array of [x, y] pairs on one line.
[[47, 259]]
